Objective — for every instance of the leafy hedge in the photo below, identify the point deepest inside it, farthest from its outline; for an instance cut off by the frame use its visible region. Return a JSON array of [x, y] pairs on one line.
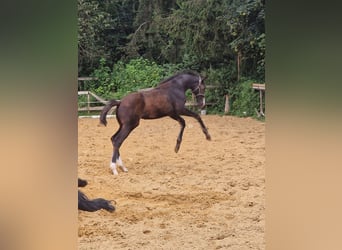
[[137, 74], [244, 99], [128, 77]]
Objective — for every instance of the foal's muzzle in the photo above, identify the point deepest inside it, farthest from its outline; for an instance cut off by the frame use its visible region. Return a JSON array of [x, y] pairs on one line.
[[200, 101]]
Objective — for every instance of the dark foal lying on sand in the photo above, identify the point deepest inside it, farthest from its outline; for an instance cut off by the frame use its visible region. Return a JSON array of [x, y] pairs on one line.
[[92, 205]]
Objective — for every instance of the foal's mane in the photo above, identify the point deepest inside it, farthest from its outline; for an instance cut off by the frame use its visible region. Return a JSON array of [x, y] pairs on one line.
[[184, 72]]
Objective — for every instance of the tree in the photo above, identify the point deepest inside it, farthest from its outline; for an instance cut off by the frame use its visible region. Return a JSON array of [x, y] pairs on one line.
[[246, 23], [148, 38], [92, 21]]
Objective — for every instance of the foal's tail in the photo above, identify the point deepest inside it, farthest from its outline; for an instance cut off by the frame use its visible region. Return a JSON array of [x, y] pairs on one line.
[[106, 109]]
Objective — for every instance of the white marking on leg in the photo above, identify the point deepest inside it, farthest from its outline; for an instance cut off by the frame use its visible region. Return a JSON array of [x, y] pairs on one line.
[[113, 167], [120, 163]]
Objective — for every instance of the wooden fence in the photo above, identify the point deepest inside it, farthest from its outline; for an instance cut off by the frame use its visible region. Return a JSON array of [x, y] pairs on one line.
[[93, 102], [262, 89], [87, 105]]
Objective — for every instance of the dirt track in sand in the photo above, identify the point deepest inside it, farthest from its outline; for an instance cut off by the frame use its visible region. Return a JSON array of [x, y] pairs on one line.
[[210, 195]]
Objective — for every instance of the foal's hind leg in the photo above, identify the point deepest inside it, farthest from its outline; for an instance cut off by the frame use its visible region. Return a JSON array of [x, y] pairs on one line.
[[198, 118], [116, 160], [115, 153], [117, 140], [180, 135]]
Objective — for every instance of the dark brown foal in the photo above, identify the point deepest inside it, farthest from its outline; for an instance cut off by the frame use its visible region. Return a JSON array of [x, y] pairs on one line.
[[167, 99]]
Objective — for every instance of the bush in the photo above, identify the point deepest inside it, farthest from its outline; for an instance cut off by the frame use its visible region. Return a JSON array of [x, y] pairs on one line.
[[137, 74], [103, 85], [223, 80], [127, 77], [244, 99]]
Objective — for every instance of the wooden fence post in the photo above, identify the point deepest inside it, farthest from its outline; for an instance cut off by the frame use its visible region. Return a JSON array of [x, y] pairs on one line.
[[88, 102], [262, 89], [261, 108], [226, 105]]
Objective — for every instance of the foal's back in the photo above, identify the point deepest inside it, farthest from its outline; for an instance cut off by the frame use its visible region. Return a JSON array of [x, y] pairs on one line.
[[151, 104]]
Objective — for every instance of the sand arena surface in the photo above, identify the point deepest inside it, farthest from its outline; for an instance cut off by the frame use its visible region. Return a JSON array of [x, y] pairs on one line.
[[210, 195]]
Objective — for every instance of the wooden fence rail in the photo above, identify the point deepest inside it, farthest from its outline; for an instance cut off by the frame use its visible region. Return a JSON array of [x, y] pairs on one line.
[[88, 102]]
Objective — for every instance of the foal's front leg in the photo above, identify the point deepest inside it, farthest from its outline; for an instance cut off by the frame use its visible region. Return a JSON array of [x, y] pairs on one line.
[[180, 135], [198, 118]]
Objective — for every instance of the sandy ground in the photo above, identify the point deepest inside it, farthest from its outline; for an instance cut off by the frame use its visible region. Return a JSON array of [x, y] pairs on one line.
[[210, 195]]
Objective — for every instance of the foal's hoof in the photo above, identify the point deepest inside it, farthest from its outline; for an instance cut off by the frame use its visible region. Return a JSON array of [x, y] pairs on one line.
[[124, 169], [113, 168], [208, 137]]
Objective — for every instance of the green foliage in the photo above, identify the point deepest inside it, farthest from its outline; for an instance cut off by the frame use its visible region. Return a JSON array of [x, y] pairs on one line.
[[103, 85], [221, 81], [137, 74], [196, 34], [244, 99], [127, 77], [92, 23], [82, 100], [246, 24]]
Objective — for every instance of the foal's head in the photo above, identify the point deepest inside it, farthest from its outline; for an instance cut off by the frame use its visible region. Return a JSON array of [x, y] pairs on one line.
[[198, 91]]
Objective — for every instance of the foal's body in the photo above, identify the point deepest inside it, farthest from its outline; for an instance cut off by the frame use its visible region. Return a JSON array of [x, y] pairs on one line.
[[168, 99]]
